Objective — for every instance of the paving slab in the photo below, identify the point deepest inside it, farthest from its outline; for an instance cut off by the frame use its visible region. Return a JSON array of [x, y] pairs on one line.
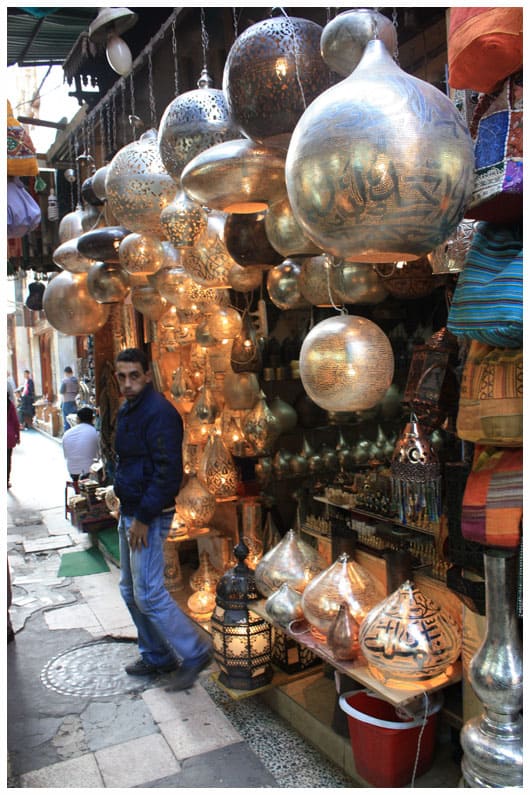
[[132, 763], [49, 542], [81, 772]]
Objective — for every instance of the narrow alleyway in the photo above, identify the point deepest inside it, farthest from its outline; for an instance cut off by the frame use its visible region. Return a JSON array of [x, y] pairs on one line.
[[74, 718]]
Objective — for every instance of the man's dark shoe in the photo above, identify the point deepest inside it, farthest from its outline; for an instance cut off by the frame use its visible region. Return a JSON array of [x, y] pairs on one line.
[[142, 668], [188, 672]]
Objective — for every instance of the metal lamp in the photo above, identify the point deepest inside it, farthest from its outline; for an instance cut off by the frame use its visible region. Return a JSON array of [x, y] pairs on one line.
[[242, 640], [106, 29]]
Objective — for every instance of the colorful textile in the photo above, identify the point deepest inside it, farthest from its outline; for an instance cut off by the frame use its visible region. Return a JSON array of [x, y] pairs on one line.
[[21, 156], [492, 509], [497, 130], [484, 46], [487, 304]]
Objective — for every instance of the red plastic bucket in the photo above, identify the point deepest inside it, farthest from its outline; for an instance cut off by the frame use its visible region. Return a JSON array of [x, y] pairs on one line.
[[384, 745]]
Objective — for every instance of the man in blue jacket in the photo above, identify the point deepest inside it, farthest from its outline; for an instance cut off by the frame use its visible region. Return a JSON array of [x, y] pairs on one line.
[[148, 475]]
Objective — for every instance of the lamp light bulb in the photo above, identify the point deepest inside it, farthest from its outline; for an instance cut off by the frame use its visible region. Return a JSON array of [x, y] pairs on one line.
[[119, 55]]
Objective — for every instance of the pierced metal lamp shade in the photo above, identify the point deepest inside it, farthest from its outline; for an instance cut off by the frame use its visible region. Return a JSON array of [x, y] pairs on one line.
[[107, 283], [247, 242], [397, 172], [261, 427], [217, 470], [315, 280], [196, 505], [408, 638], [149, 302], [102, 244], [207, 576], [241, 390], [209, 262], [292, 561], [138, 186], [244, 280], [272, 72], [343, 581], [70, 308], [245, 355], [408, 280], [71, 225], [285, 233], [345, 37], [284, 605], [283, 285], [68, 257], [183, 221], [451, 256], [192, 122], [225, 323], [346, 363], [98, 182], [239, 176], [357, 283], [141, 254]]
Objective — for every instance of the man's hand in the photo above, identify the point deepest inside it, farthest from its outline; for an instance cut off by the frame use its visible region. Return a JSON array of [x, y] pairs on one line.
[[138, 534]]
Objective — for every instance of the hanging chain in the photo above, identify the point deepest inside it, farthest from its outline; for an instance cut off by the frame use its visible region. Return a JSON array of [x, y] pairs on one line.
[[123, 112], [395, 24], [133, 107], [112, 133], [72, 160], [77, 166], [152, 106], [235, 20], [102, 127], [175, 55], [204, 38]]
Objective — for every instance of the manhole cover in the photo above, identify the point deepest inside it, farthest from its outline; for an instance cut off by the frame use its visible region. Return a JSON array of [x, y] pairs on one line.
[[93, 669]]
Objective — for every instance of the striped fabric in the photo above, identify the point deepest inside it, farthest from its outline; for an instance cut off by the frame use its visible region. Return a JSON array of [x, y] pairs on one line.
[[492, 508], [487, 304]]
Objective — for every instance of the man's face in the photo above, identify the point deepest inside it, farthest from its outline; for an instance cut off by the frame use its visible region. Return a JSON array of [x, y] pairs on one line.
[[131, 378]]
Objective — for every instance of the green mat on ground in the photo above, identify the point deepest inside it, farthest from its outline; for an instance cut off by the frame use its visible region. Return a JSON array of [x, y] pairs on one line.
[[110, 540], [76, 564]]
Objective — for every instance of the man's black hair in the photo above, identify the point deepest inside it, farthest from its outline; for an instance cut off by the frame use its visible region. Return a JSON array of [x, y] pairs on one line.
[[133, 355], [68, 369], [85, 414]]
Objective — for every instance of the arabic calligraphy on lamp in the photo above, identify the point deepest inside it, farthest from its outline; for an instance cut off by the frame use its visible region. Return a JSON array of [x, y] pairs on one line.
[[408, 638]]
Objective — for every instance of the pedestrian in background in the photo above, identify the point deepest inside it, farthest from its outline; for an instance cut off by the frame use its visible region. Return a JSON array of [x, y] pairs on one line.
[[11, 386], [68, 389], [13, 435], [27, 399], [81, 445], [148, 476]]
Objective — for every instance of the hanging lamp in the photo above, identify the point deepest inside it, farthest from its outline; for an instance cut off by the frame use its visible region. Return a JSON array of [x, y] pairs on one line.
[[70, 308], [107, 283], [380, 167]]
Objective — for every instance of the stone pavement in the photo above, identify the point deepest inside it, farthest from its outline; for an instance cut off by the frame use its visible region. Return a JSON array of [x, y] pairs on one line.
[[74, 718]]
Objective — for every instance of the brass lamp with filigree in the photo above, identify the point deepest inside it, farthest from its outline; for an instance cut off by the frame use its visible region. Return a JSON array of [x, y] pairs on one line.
[[217, 470]]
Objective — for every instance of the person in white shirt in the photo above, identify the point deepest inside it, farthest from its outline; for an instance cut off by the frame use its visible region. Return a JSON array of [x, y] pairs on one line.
[[81, 445]]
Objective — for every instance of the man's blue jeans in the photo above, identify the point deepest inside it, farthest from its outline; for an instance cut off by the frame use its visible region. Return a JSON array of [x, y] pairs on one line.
[[165, 633], [70, 407]]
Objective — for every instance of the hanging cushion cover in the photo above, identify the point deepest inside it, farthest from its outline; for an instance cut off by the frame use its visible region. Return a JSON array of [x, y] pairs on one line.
[[21, 156], [23, 212], [485, 46]]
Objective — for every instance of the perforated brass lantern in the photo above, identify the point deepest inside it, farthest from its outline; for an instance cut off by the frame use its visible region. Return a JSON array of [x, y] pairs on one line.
[[242, 641], [149, 302], [357, 283], [98, 182], [102, 244], [192, 122], [408, 638], [272, 72], [241, 390], [71, 225], [195, 504], [201, 605], [107, 283], [141, 254], [315, 280], [408, 280], [245, 355], [291, 561], [207, 576], [247, 242], [138, 186], [225, 323], [182, 391], [183, 221], [451, 256], [209, 262], [68, 257], [284, 605], [70, 308], [345, 37], [283, 285], [260, 426], [380, 167], [343, 581], [244, 280], [217, 470], [346, 363], [284, 413], [239, 176], [285, 233]]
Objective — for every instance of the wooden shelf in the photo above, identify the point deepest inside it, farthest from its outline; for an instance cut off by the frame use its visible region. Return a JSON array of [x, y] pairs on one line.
[[358, 669], [377, 517]]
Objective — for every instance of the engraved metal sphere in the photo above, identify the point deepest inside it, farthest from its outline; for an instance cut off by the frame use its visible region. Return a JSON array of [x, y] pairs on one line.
[[98, 182], [71, 225], [141, 254], [209, 262], [357, 283], [345, 37], [381, 166], [183, 221], [138, 186], [149, 302], [107, 283], [102, 244], [451, 256], [272, 72], [239, 176], [285, 233], [88, 194], [243, 280], [192, 122], [283, 285], [70, 308], [241, 390], [315, 280], [346, 363], [408, 280], [247, 242], [68, 257]]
